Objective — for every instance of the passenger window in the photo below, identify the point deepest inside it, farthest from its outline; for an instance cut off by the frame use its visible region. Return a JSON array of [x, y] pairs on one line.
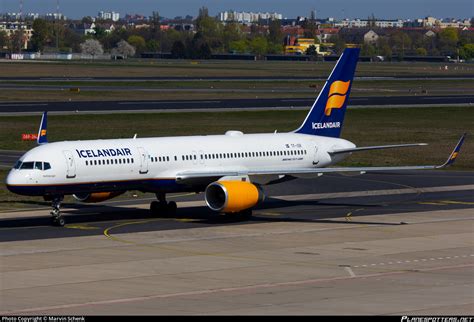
[[87, 162]]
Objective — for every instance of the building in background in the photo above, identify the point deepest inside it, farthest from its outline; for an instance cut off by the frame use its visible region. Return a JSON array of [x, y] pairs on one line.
[[363, 23], [247, 17], [10, 28], [301, 45], [114, 16]]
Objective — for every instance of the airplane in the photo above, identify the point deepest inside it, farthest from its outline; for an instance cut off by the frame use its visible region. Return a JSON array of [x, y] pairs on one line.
[[231, 169]]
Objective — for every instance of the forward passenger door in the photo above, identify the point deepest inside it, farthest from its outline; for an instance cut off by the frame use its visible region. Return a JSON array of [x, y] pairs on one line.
[[70, 164]]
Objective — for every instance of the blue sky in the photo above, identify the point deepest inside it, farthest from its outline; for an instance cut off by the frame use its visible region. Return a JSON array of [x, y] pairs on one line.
[[289, 8]]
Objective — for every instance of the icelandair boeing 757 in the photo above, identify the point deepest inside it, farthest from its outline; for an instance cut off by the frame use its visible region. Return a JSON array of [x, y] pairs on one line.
[[231, 168]]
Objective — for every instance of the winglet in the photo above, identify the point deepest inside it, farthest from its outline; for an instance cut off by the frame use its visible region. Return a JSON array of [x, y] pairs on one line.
[[454, 154], [42, 136]]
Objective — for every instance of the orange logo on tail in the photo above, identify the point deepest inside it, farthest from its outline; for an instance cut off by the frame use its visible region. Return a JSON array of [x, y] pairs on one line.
[[336, 96], [43, 133]]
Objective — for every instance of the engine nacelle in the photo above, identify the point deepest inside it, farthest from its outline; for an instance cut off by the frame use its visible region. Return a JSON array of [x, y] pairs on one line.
[[233, 196], [96, 196]]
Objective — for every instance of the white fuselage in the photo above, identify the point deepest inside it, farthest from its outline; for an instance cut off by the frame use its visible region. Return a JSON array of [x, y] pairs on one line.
[[152, 164]]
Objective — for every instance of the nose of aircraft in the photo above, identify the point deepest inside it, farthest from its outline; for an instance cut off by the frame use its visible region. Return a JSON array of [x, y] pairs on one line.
[[11, 180]]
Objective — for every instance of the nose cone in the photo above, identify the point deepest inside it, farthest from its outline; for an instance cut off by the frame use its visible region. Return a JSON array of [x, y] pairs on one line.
[[10, 178], [20, 183], [15, 182], [10, 181]]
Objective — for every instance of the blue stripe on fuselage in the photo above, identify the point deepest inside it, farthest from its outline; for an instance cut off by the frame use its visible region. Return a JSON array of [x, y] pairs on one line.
[[150, 185]]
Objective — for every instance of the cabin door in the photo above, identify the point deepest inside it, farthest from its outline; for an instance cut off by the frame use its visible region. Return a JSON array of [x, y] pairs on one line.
[[143, 160], [70, 164], [315, 156]]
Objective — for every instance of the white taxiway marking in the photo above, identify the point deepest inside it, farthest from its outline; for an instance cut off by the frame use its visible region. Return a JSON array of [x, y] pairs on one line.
[[414, 260]]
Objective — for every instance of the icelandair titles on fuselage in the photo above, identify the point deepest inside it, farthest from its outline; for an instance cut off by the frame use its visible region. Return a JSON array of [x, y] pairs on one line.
[[326, 125], [100, 153]]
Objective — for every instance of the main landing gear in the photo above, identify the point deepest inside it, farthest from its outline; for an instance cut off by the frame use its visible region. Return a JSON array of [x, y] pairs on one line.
[[241, 215], [58, 219], [161, 207]]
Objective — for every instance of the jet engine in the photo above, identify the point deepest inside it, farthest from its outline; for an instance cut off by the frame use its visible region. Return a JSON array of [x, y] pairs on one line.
[[233, 196], [96, 196]]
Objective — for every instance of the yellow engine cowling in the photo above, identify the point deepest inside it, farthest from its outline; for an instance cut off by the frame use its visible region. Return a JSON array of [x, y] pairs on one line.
[[96, 196], [233, 196]]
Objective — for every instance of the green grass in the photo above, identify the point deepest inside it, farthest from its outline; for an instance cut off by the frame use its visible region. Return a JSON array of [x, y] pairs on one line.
[[136, 68], [224, 89], [249, 84], [441, 127]]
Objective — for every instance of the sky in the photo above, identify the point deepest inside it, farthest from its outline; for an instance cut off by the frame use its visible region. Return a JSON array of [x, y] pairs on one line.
[[386, 9]]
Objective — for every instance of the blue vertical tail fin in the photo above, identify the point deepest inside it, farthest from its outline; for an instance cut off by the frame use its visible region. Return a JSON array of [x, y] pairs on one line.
[[327, 113], [42, 135]]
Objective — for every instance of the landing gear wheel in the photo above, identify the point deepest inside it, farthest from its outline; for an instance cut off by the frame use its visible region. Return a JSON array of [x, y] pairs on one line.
[[171, 208], [155, 207], [161, 207], [164, 209], [246, 214], [241, 215], [57, 219]]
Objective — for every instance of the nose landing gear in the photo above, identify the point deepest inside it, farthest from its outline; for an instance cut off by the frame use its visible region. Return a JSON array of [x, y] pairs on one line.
[[58, 219]]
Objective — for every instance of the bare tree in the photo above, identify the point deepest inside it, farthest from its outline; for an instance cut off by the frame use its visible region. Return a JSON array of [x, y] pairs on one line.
[[92, 47], [123, 48]]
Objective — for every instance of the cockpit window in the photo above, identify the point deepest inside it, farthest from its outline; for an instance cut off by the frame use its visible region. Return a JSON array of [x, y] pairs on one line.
[[36, 165], [27, 166]]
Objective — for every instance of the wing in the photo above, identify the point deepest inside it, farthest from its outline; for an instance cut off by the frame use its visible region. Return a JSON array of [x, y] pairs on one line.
[[378, 147], [203, 177]]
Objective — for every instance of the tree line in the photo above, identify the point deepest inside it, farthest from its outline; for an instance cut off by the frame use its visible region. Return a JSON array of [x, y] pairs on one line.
[[211, 36]]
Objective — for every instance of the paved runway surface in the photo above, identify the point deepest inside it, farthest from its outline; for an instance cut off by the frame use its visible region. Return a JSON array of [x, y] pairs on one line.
[[372, 244], [224, 78], [237, 104]]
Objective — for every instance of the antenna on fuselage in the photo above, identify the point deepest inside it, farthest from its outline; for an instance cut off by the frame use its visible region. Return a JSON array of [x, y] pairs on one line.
[[135, 136]]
